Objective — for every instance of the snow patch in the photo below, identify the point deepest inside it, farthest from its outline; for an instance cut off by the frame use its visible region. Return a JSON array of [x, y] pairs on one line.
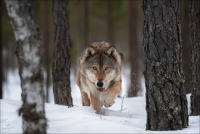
[[83, 119], [125, 80]]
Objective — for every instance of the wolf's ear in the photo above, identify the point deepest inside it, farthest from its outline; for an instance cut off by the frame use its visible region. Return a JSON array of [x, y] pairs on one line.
[[121, 55], [112, 52], [90, 51]]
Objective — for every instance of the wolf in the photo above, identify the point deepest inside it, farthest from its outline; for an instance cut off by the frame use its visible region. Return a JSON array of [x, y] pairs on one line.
[[99, 76]]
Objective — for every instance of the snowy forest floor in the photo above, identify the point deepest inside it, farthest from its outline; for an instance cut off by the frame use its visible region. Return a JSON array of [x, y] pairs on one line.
[[79, 119]]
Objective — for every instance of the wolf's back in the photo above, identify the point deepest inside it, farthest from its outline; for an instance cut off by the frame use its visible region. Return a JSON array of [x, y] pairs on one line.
[[100, 45]]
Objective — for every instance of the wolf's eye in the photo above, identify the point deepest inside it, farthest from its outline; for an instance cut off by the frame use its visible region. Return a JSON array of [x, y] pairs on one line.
[[106, 68], [94, 68]]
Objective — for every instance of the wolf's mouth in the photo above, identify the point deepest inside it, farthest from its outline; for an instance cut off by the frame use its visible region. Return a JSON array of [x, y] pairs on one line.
[[100, 89]]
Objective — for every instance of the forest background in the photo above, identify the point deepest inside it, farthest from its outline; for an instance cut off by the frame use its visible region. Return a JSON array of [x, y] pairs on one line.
[[119, 22]]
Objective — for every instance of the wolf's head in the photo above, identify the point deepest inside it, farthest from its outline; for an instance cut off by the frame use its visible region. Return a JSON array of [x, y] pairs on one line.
[[101, 64]]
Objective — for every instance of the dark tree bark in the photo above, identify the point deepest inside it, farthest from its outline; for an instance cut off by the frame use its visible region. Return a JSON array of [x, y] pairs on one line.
[[86, 24], [28, 43], [61, 63], [1, 62], [46, 45], [195, 55], [36, 10], [45, 41], [110, 21], [133, 48], [166, 102], [186, 44]]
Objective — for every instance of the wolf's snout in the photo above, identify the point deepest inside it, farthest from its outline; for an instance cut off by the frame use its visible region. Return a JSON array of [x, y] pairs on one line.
[[99, 84]]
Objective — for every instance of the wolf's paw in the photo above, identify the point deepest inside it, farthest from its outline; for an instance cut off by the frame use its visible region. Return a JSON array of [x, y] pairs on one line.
[[108, 103], [101, 112]]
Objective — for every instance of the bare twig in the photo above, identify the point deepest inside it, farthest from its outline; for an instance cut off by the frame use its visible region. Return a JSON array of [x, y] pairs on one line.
[[122, 104]]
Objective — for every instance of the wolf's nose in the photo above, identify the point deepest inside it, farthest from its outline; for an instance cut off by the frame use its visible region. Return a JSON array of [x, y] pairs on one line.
[[99, 84]]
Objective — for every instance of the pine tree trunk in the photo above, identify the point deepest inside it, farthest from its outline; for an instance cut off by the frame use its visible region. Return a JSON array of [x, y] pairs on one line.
[[186, 44], [36, 10], [86, 24], [1, 62], [195, 55], [133, 48], [166, 102], [61, 64], [28, 43], [110, 21], [46, 45]]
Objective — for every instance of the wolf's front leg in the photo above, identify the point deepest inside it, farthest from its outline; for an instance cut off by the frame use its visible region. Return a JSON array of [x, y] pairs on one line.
[[95, 101], [113, 91], [85, 99], [84, 96]]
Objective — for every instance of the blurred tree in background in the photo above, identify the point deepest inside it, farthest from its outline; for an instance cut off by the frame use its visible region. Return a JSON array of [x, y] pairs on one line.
[[186, 43], [86, 24], [195, 55], [46, 25], [1, 67], [110, 21], [61, 62], [8, 48], [134, 48]]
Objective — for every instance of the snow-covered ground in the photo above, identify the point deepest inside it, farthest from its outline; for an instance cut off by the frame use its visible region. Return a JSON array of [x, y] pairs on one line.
[[79, 119]]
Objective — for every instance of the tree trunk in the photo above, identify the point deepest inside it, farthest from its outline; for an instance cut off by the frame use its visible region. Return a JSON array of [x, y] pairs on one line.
[[61, 64], [186, 44], [1, 62], [195, 55], [110, 21], [28, 43], [133, 48], [166, 102], [46, 45], [36, 10], [86, 24]]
